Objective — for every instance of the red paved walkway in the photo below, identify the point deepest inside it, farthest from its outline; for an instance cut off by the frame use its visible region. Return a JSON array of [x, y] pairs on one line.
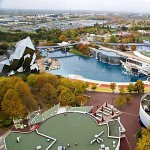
[[129, 116]]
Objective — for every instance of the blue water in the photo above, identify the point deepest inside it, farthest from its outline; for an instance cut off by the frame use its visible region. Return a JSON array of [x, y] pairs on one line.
[[91, 68]]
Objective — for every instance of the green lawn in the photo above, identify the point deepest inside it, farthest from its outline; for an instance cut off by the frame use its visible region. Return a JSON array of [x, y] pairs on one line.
[[145, 37], [77, 52], [103, 89]]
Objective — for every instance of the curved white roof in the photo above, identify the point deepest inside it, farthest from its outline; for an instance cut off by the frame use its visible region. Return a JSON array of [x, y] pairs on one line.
[[25, 43]]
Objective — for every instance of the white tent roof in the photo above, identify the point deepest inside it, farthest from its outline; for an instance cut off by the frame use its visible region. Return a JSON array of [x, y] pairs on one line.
[[11, 73], [63, 44], [27, 56], [33, 59], [34, 66], [1, 67], [20, 69], [20, 48], [26, 43], [5, 62]]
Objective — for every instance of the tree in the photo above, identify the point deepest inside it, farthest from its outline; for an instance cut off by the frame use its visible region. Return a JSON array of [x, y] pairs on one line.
[[60, 89], [128, 98], [139, 86], [133, 47], [113, 39], [84, 49], [79, 87], [36, 42], [93, 86], [11, 104], [66, 97], [144, 142], [80, 100], [62, 38], [77, 38], [31, 79], [113, 86], [121, 90], [22, 88], [40, 81], [25, 95], [7, 83], [130, 87], [120, 101], [48, 91], [67, 83], [122, 47], [4, 46]]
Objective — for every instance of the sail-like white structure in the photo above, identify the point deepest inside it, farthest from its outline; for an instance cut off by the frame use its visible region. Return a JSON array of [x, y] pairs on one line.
[[22, 60]]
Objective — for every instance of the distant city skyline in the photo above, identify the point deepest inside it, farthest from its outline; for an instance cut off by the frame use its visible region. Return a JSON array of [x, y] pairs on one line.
[[101, 5]]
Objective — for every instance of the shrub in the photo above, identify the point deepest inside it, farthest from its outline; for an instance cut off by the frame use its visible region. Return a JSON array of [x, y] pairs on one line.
[[8, 122]]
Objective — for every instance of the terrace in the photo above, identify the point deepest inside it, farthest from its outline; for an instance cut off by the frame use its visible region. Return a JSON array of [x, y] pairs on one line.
[[26, 141], [78, 130], [106, 112], [73, 130]]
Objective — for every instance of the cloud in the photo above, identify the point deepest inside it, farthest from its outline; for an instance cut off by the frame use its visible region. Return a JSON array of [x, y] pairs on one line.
[[112, 5]]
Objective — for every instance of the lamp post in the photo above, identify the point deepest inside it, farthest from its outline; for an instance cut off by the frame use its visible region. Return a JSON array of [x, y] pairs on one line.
[[113, 100]]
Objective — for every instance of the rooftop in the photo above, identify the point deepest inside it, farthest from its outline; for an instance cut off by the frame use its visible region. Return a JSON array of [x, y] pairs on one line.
[[79, 130], [110, 54], [27, 141]]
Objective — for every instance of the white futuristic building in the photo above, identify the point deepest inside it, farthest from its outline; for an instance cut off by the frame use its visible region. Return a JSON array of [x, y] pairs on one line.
[[23, 59], [144, 112]]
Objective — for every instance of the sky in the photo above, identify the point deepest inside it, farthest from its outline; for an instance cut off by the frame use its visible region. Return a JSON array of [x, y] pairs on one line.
[[101, 5]]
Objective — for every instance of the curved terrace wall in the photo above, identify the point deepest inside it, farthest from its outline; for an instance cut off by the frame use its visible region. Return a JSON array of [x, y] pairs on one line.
[[144, 117]]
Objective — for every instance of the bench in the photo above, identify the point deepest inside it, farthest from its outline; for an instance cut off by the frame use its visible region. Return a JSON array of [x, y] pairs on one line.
[[107, 111], [99, 115], [99, 111], [106, 114], [108, 108]]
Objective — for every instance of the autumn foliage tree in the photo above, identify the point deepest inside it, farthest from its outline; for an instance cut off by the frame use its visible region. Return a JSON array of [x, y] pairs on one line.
[[130, 87], [133, 47], [7, 83], [139, 86], [62, 38], [113, 86], [80, 100], [67, 83], [31, 80], [66, 97], [113, 39], [79, 87], [122, 47], [128, 98], [25, 95], [44, 78], [48, 91], [121, 90], [120, 101], [84, 49], [143, 142], [11, 104], [93, 86]]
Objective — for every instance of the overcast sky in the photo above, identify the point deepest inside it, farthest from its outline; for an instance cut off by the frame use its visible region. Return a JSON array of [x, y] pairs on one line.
[[112, 5]]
